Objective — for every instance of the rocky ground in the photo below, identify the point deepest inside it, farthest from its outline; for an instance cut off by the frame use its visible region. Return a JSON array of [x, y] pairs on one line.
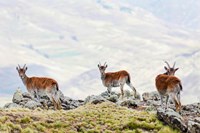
[[187, 121], [24, 100]]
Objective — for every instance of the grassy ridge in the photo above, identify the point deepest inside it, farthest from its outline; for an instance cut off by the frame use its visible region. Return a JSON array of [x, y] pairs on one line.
[[105, 117]]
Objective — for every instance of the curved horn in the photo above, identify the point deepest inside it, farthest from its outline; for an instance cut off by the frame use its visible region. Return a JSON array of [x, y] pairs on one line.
[[167, 64], [174, 64], [104, 63], [24, 66], [19, 66]]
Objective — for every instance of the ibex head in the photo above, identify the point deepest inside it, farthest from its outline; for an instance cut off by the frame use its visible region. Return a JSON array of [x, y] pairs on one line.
[[170, 70], [21, 71], [102, 68]]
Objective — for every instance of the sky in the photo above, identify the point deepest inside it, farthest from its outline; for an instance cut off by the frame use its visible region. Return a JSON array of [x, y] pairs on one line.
[[66, 40]]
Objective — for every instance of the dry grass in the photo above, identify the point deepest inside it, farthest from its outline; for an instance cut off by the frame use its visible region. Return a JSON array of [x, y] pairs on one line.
[[105, 117]]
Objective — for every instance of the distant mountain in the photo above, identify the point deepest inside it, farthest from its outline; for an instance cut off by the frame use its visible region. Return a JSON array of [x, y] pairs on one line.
[[183, 13], [66, 40]]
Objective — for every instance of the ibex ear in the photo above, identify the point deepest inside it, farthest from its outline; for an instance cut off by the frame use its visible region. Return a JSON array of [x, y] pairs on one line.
[[98, 65], [17, 68], [26, 68], [106, 66], [165, 68], [176, 69]]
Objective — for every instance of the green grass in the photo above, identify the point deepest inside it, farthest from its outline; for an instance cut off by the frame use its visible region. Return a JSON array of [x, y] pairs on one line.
[[105, 117]]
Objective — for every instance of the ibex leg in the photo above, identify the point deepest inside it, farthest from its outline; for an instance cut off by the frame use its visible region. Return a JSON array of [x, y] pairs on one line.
[[133, 88], [109, 91], [161, 100], [167, 102], [174, 96], [122, 91]]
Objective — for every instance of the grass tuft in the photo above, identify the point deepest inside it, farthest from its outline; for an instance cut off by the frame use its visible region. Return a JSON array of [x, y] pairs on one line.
[[25, 120], [105, 117]]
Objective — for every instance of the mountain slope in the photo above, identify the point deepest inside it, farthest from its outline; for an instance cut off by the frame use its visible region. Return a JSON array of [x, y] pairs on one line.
[[66, 40], [182, 13]]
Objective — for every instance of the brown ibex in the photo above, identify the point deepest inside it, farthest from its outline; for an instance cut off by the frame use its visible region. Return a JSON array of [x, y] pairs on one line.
[[169, 85], [40, 85], [115, 79]]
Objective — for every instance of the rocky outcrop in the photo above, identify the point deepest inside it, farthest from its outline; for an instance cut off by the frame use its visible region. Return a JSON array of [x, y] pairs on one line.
[[95, 99], [129, 100], [130, 103], [12, 105], [24, 100], [151, 96], [194, 125], [152, 100], [31, 104], [17, 97], [187, 121], [69, 103], [172, 118], [113, 97]]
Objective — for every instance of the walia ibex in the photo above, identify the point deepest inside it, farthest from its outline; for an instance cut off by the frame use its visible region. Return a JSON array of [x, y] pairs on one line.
[[169, 85], [115, 79], [40, 85]]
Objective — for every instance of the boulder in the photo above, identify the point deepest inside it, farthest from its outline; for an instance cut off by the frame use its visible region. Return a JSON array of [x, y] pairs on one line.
[[138, 97], [24, 101], [67, 107], [129, 94], [151, 96], [44, 97], [60, 94], [172, 118], [153, 99], [130, 103], [12, 105], [27, 101], [94, 99], [153, 103], [66, 100], [17, 97], [106, 94], [69, 103], [76, 103], [33, 104], [194, 125], [27, 95], [191, 108], [113, 98]]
